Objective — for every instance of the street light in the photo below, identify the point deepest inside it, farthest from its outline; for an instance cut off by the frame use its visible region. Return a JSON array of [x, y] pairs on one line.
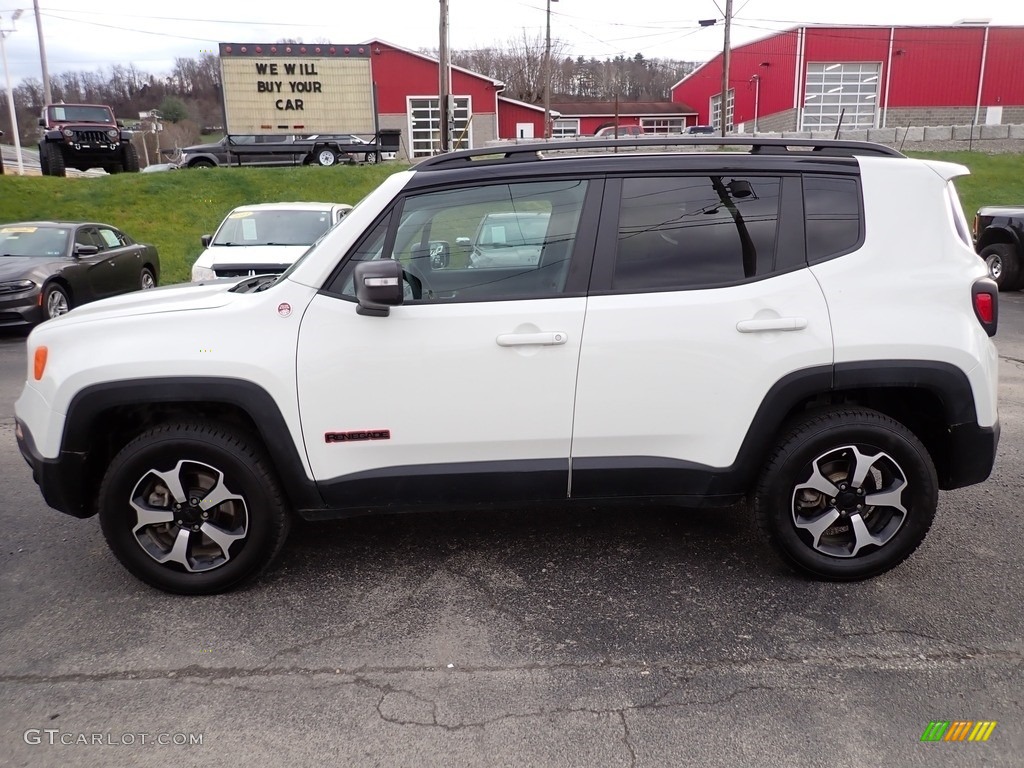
[[10, 92], [756, 80]]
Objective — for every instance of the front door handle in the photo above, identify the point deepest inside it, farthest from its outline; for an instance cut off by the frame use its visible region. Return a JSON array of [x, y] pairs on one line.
[[525, 339], [772, 324]]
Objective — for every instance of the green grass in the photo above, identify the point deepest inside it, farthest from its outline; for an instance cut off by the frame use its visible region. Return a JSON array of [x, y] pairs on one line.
[[172, 210], [994, 179]]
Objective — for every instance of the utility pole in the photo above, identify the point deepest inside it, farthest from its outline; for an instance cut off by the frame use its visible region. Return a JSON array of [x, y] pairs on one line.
[[725, 66], [47, 96], [547, 76], [10, 92], [445, 87]]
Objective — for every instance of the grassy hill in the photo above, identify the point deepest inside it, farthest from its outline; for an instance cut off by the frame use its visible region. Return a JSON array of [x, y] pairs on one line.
[[172, 210]]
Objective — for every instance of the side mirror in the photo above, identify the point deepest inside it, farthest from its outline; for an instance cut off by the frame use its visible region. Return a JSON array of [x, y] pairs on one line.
[[206, 240], [378, 287], [85, 250], [440, 254], [740, 189]]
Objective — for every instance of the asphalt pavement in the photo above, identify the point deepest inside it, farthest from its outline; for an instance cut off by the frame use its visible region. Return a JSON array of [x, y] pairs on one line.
[[546, 637]]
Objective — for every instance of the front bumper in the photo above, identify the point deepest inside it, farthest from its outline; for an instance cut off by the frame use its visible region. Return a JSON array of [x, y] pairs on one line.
[[21, 309], [61, 480]]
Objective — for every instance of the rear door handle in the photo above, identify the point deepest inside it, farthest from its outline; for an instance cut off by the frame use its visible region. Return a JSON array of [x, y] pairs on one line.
[[526, 339], [772, 324]]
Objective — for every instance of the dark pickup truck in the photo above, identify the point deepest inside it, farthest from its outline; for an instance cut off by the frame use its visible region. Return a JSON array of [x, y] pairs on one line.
[[290, 150], [999, 240]]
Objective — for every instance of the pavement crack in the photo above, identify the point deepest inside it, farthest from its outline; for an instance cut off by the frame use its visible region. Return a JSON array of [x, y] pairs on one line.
[[625, 739]]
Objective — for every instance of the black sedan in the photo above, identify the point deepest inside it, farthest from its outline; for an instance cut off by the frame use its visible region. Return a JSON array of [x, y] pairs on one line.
[[48, 267]]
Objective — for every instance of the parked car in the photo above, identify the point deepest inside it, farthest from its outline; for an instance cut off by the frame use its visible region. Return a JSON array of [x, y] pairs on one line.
[[999, 240], [698, 129], [509, 239], [264, 239], [49, 267], [610, 131], [700, 327]]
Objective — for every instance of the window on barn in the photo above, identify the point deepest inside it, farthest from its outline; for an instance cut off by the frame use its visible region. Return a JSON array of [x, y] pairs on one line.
[[835, 89], [565, 127], [425, 125], [716, 111], [663, 124]]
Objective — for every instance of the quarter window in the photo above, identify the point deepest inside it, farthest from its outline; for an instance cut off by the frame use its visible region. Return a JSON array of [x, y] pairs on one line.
[[695, 231], [832, 214]]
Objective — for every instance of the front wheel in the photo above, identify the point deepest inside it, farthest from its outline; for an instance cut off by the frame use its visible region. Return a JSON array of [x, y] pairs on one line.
[[192, 508], [847, 495], [55, 301]]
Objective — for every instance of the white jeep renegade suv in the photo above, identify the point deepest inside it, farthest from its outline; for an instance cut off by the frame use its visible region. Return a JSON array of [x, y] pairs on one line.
[[699, 326]]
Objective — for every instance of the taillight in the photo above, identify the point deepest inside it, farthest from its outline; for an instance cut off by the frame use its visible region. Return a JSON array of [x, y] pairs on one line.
[[985, 298]]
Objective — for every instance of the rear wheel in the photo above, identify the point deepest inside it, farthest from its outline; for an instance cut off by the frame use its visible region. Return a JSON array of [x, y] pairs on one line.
[[1004, 266], [147, 279], [192, 508], [847, 495], [200, 164], [325, 156]]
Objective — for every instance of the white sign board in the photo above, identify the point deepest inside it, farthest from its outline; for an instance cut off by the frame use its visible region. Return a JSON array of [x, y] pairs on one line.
[[297, 88]]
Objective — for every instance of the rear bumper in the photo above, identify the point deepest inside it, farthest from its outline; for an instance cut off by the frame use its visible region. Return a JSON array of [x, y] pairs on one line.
[[972, 455]]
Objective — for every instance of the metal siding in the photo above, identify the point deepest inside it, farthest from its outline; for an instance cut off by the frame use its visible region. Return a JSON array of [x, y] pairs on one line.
[[776, 79], [510, 114], [938, 67], [399, 74], [1004, 68]]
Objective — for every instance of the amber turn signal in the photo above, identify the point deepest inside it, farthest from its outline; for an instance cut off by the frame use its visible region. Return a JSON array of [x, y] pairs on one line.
[[39, 362]]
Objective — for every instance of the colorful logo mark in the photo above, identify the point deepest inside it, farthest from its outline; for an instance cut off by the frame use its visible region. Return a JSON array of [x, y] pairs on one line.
[[958, 730]]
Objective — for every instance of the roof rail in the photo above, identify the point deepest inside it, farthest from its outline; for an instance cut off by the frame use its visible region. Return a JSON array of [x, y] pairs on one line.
[[758, 146]]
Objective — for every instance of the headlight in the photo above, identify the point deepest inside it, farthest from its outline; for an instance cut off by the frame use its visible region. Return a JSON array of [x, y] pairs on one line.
[[68, 132], [112, 133], [203, 273], [17, 286]]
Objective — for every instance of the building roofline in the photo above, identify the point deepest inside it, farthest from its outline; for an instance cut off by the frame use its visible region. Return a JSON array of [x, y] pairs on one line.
[[425, 57]]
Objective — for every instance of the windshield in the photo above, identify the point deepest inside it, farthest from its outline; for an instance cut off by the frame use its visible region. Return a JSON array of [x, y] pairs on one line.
[[84, 114], [33, 241], [273, 227]]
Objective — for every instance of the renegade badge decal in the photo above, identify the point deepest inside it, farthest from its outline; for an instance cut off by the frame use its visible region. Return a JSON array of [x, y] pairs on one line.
[[358, 435]]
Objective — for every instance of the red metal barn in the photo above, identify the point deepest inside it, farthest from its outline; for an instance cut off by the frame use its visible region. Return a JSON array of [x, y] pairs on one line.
[[875, 77]]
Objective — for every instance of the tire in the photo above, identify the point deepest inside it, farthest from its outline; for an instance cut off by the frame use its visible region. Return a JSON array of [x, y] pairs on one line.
[[55, 161], [151, 508], [1003, 264], [325, 156], [129, 158], [818, 514], [201, 164], [147, 279], [55, 301], [370, 158]]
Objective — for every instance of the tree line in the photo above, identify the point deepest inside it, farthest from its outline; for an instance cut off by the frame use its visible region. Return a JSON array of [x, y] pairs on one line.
[[189, 97]]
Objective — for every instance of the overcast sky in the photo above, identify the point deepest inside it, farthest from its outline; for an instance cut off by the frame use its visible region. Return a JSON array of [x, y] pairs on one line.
[[88, 35]]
